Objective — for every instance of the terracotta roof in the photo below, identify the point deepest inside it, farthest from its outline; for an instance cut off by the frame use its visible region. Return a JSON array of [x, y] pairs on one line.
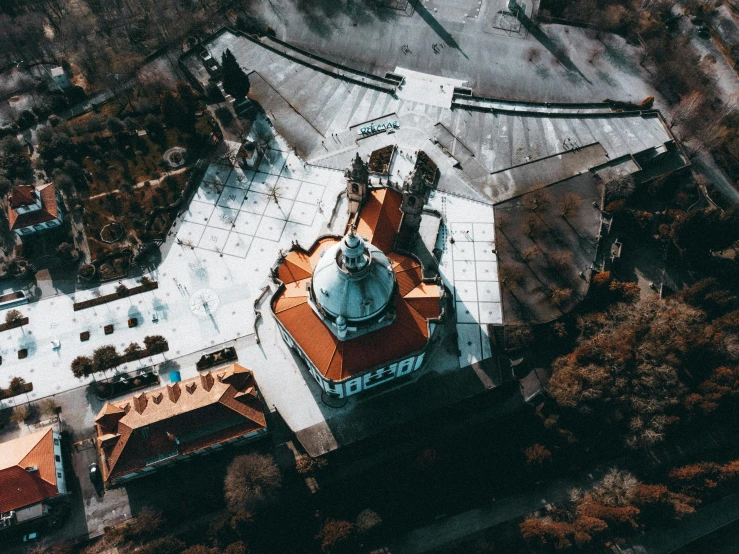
[[415, 303], [204, 410], [18, 486], [22, 196], [47, 212], [379, 219]]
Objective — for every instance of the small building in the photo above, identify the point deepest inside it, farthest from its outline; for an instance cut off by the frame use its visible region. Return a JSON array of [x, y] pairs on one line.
[[31, 209], [144, 432], [59, 76], [31, 476]]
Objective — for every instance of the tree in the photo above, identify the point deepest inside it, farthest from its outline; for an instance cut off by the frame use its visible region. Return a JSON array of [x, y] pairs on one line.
[[569, 204], [155, 344], [132, 349], [337, 536], [13, 316], [165, 545], [561, 259], [82, 366], [17, 385], [509, 274], [537, 455], [235, 80], [252, 481], [20, 413], [532, 226], [536, 199], [48, 407], [530, 252], [115, 125], [560, 296], [367, 520], [105, 357]]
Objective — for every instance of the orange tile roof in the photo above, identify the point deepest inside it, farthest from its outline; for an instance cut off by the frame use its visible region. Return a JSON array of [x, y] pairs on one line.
[[204, 410], [379, 219], [22, 195], [47, 212], [415, 304], [18, 487]]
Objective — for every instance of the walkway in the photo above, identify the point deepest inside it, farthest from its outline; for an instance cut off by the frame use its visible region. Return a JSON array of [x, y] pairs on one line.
[[143, 183]]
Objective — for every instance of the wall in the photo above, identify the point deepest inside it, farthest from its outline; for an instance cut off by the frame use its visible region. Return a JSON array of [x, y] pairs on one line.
[[368, 380]]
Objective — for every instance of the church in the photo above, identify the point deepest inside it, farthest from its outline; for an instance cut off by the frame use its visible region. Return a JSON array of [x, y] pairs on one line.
[[358, 309]]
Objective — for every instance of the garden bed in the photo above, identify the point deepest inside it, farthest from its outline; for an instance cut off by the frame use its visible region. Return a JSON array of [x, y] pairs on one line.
[[125, 385], [427, 167], [144, 287], [14, 324], [380, 160], [7, 393], [214, 358]]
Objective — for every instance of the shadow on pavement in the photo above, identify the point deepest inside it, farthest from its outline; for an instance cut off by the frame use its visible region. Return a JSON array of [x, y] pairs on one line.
[[554, 49], [438, 28]]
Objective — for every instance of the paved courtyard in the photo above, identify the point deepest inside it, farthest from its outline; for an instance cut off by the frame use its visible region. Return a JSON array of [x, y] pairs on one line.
[[218, 263]]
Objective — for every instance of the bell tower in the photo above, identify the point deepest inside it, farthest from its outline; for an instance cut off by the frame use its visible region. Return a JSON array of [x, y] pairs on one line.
[[357, 184], [414, 197]]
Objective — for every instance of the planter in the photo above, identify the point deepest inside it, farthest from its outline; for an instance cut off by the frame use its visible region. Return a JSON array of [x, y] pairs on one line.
[[7, 393], [87, 272], [84, 336], [125, 385], [214, 358], [108, 329], [22, 353], [14, 324], [144, 287], [133, 322]]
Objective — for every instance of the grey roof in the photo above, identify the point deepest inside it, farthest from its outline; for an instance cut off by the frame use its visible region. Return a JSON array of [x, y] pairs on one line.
[[357, 290]]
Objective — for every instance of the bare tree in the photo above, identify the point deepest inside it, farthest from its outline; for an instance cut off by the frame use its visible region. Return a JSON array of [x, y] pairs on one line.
[[538, 198], [252, 481], [510, 274], [561, 296], [560, 259], [530, 252], [569, 204], [532, 226]]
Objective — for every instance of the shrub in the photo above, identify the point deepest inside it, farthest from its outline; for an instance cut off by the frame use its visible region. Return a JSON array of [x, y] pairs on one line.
[[13, 316]]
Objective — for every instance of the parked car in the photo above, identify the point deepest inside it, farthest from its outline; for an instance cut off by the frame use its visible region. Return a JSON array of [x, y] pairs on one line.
[[94, 472], [30, 537]]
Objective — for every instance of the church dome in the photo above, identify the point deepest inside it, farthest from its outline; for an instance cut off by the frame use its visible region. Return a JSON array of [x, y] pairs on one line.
[[353, 282]]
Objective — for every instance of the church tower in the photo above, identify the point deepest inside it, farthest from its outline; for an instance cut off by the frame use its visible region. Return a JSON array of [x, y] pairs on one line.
[[357, 184], [414, 197]]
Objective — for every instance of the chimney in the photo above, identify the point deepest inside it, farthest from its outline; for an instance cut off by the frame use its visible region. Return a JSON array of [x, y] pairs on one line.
[[173, 392], [139, 402], [206, 380]]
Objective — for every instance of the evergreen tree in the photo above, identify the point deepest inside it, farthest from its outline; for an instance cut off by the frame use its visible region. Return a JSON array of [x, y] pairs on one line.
[[235, 80]]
